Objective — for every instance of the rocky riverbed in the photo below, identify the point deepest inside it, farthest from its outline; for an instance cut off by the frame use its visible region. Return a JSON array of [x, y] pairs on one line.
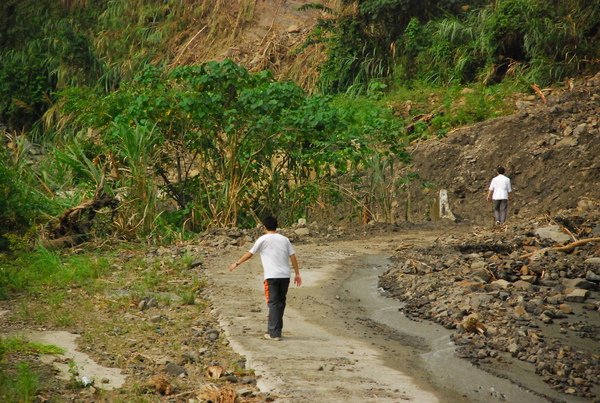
[[515, 296]]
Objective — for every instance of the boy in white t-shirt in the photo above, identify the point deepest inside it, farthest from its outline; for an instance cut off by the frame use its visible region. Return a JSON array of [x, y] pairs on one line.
[[498, 193], [275, 252]]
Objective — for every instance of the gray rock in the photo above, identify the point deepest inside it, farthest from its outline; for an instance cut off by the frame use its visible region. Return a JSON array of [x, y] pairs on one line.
[[175, 370], [195, 263], [522, 285], [580, 129], [156, 318], [245, 392], [577, 295], [593, 261], [555, 299], [501, 284], [579, 283], [249, 380], [553, 233], [147, 302], [591, 276], [477, 265], [482, 275], [529, 279], [212, 334], [293, 29], [514, 348], [302, 231]]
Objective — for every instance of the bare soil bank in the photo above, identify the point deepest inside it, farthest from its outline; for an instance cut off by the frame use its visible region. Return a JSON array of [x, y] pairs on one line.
[[550, 150]]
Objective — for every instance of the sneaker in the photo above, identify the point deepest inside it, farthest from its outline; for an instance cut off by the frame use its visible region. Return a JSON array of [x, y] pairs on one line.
[[269, 337]]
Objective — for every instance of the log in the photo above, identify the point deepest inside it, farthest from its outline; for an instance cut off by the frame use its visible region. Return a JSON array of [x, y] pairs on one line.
[[74, 225], [564, 248]]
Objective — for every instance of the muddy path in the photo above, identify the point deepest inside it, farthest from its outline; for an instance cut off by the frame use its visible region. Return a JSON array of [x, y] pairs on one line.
[[343, 340]]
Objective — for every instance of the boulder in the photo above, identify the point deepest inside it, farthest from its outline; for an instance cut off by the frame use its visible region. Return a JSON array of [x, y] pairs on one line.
[[501, 284], [553, 233], [591, 276], [579, 283], [577, 295]]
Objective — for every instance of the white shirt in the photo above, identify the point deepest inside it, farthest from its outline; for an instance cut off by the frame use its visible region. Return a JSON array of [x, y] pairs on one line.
[[275, 251], [501, 187]]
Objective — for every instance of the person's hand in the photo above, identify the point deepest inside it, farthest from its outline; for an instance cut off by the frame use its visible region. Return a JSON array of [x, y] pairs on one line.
[[298, 280], [232, 266]]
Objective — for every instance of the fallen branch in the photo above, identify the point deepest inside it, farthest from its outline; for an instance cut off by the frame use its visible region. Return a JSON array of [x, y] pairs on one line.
[[74, 225], [539, 92], [564, 248]]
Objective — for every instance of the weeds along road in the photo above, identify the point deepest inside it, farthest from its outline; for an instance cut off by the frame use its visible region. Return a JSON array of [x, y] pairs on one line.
[[343, 340]]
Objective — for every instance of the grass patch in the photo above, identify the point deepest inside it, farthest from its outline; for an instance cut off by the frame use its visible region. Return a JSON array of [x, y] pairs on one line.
[[10, 345], [18, 381], [42, 269], [19, 385], [452, 106]]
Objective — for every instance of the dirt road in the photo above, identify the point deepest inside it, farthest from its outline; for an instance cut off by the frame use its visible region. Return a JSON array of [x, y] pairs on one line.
[[343, 340]]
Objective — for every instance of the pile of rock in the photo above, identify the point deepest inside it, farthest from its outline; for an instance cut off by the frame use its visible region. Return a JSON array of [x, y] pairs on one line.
[[514, 294]]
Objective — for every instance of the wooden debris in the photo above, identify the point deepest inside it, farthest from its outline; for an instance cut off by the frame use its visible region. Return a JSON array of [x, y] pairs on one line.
[[214, 371], [161, 384], [74, 225], [539, 92], [211, 393], [565, 248]]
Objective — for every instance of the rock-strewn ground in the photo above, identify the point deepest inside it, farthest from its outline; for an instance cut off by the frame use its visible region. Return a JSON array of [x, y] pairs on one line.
[[511, 297]]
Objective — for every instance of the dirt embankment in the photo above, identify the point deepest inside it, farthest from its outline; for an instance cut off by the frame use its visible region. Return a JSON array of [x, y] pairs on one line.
[[550, 150], [259, 35]]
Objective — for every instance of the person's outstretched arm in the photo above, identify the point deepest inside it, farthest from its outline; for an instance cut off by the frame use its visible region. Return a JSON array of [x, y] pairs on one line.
[[245, 256], [297, 278]]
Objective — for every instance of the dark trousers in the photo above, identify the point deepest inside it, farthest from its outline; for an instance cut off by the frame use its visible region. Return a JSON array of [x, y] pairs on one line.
[[276, 291], [500, 210]]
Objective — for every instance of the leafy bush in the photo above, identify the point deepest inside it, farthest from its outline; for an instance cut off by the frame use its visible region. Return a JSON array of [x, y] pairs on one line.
[[226, 144], [19, 203]]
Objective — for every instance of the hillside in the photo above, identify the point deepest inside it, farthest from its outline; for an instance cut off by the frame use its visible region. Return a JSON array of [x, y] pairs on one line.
[[550, 150], [260, 35], [142, 141]]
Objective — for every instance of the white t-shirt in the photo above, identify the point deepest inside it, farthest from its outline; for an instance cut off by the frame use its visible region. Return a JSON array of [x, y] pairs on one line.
[[501, 187], [275, 251]]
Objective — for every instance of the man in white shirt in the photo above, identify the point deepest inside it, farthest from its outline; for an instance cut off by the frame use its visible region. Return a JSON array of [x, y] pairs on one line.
[[275, 252], [498, 193]]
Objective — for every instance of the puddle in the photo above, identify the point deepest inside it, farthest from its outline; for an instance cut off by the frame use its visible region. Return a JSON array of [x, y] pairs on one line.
[[102, 377]]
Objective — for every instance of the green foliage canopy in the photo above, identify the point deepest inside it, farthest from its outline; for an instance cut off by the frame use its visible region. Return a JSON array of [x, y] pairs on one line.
[[226, 143], [462, 41]]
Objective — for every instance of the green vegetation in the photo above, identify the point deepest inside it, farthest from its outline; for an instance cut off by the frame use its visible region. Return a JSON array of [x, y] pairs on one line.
[[96, 88], [95, 104], [442, 41], [20, 383], [11, 345], [43, 270]]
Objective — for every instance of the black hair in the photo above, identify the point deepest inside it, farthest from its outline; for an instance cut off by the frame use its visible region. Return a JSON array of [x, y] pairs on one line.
[[500, 170], [270, 223]]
